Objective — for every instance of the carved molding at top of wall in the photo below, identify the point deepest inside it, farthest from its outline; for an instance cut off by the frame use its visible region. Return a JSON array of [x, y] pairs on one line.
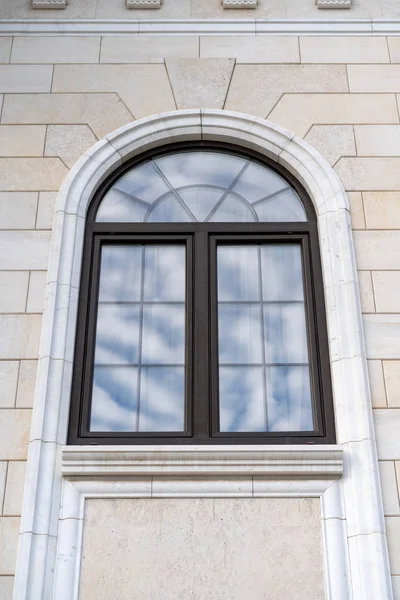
[[143, 3], [57, 4], [333, 3], [239, 3]]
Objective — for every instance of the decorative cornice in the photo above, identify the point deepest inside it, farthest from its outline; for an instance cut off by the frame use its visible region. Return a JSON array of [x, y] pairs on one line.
[[239, 3], [143, 4], [49, 4], [205, 27], [332, 4], [87, 461]]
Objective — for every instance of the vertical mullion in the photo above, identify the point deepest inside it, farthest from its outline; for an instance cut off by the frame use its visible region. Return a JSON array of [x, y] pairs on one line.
[[263, 340], [201, 386], [139, 374]]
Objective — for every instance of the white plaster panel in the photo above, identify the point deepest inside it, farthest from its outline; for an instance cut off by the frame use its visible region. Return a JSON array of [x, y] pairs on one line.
[[24, 249], [25, 78], [13, 290], [8, 382], [387, 427], [18, 210], [19, 336], [174, 545], [55, 50], [382, 335]]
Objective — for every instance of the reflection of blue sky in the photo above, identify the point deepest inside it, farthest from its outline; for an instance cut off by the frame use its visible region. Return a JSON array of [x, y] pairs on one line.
[[165, 276], [285, 333], [242, 406], [282, 272], [238, 273], [150, 185], [162, 399], [140, 327], [120, 273], [258, 181], [289, 399], [246, 403], [117, 335], [239, 332], [188, 168], [163, 334]]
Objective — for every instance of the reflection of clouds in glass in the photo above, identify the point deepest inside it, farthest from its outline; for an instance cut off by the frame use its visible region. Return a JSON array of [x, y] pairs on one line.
[[118, 207], [239, 332], [241, 399], [238, 277], [163, 334], [289, 399], [258, 181], [282, 272], [120, 273], [162, 399], [285, 333], [164, 277], [117, 334], [168, 210], [232, 210], [210, 168], [201, 200], [114, 399], [286, 206], [130, 197]]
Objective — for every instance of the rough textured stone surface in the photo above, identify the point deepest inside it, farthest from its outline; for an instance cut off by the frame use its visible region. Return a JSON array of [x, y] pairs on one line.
[[13, 291], [25, 174], [391, 369], [26, 383], [18, 210], [298, 112], [369, 173], [377, 249], [257, 88], [9, 527], [274, 49], [55, 50], [8, 383], [201, 82], [14, 488], [25, 78], [13, 9], [14, 430], [45, 212], [333, 141], [147, 49], [37, 282], [19, 336], [114, 9], [68, 142], [343, 49], [382, 210], [377, 384], [22, 140], [24, 250], [258, 544], [144, 89], [102, 112]]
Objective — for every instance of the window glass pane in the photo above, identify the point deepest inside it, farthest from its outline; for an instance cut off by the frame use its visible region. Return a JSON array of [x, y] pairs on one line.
[[261, 321], [201, 186], [139, 370]]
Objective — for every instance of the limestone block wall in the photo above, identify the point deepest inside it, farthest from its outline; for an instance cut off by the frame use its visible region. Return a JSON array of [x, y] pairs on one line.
[[59, 95]]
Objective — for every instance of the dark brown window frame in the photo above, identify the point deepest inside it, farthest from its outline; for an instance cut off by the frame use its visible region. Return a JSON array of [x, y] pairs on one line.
[[201, 415]]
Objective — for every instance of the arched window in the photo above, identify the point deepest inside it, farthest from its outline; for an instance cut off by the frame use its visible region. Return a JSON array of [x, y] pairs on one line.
[[201, 316]]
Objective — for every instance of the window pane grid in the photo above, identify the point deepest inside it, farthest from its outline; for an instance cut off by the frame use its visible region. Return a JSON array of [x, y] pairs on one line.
[[136, 385], [264, 373]]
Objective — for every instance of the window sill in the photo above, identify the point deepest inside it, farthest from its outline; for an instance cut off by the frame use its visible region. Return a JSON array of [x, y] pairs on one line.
[[295, 462]]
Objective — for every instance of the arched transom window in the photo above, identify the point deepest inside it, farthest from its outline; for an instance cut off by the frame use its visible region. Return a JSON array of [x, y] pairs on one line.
[[201, 315]]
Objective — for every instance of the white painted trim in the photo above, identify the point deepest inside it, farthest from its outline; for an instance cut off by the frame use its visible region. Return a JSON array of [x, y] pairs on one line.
[[273, 461], [76, 492], [364, 522], [204, 27]]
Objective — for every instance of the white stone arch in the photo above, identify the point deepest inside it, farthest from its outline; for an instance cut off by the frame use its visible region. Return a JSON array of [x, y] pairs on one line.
[[353, 507]]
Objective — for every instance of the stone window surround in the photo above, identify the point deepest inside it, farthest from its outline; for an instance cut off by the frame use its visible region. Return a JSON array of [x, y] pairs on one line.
[[354, 530]]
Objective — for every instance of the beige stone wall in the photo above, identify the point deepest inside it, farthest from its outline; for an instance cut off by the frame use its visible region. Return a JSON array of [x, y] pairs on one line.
[[217, 548], [58, 96], [202, 9]]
